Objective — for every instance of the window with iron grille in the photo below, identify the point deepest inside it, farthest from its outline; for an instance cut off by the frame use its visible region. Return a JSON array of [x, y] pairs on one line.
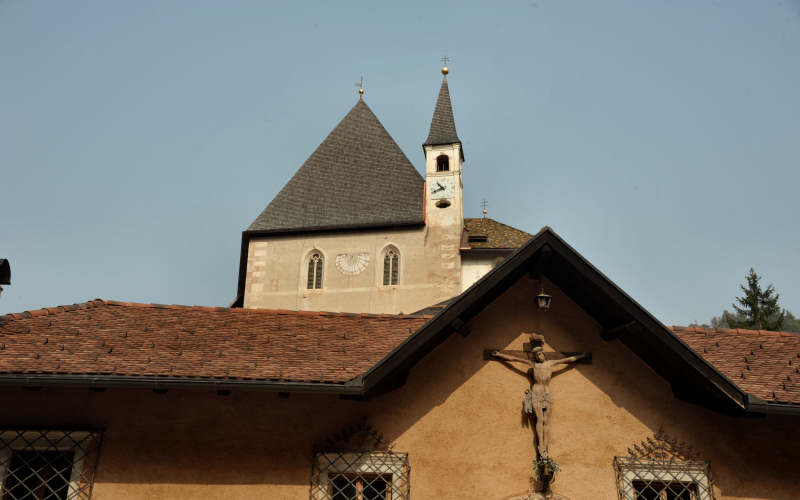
[[357, 465], [391, 266], [661, 468], [315, 263], [47, 465]]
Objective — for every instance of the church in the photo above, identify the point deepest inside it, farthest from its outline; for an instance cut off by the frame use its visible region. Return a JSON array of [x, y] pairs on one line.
[[357, 229], [383, 347]]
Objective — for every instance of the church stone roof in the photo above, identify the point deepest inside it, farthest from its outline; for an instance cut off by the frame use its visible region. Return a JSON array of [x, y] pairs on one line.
[[486, 233], [443, 125], [357, 177]]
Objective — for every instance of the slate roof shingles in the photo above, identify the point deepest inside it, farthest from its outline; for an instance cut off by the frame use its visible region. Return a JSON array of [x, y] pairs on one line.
[[108, 337], [443, 124], [357, 176]]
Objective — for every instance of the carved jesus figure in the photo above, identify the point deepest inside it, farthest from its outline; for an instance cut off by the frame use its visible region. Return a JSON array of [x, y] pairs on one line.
[[538, 400]]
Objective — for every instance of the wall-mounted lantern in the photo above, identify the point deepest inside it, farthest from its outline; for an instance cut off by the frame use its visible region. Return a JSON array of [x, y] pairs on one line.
[[543, 301]]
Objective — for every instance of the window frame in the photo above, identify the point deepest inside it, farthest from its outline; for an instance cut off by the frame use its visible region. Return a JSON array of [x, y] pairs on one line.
[[663, 471], [21, 440], [330, 464], [393, 266], [318, 270]]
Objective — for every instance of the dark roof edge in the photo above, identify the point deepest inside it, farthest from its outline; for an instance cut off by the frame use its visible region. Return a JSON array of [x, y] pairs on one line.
[[467, 305], [489, 250], [335, 228], [353, 387], [758, 405]]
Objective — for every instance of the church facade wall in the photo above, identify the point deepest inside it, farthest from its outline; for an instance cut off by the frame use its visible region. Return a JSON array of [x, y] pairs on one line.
[[475, 265], [458, 417], [353, 269]]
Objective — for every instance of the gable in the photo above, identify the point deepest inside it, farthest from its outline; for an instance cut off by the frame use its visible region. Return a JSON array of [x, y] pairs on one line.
[[691, 376]]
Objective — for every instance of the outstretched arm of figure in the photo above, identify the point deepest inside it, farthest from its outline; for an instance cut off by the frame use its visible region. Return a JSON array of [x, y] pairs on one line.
[[508, 357], [571, 359]]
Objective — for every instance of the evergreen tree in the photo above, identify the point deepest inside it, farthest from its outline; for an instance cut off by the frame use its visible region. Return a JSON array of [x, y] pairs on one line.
[[758, 309]]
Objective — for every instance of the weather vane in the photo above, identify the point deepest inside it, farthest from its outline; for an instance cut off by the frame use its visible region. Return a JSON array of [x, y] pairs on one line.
[[360, 85]]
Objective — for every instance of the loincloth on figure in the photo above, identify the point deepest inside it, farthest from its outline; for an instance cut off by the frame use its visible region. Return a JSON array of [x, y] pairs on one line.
[[541, 399]]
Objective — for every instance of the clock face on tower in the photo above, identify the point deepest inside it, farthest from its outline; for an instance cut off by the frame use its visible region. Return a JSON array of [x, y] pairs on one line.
[[442, 187]]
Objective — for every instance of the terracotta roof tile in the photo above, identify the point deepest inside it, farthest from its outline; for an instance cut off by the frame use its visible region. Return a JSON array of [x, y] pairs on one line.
[[763, 363], [121, 338]]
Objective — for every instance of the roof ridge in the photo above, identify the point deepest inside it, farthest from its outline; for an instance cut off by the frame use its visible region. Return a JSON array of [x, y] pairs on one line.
[[496, 222], [744, 331], [50, 311]]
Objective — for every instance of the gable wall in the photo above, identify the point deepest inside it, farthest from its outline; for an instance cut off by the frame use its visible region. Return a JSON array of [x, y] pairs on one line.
[[429, 271], [458, 417]]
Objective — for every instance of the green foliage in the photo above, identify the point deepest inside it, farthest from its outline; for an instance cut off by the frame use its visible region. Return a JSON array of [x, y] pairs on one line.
[[791, 323], [757, 309]]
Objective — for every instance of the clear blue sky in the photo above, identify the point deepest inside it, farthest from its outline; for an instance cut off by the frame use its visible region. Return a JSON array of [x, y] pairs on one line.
[[661, 139]]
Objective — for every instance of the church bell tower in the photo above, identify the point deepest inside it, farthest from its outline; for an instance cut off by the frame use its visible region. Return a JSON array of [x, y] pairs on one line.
[[444, 207], [444, 158]]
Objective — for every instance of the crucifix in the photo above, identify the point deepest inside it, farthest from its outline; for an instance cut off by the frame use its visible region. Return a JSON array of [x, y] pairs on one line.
[[538, 401]]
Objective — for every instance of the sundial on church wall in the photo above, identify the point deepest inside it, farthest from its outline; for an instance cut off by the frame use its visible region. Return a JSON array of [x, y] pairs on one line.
[[351, 264]]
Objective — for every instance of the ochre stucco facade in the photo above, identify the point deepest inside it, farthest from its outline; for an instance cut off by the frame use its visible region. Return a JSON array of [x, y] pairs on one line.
[[458, 417]]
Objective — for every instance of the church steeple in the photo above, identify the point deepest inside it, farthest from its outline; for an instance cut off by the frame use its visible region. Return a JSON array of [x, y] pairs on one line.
[[443, 125]]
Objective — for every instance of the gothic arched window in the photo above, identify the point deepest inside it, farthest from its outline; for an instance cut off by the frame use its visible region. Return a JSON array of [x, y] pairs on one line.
[[315, 262], [391, 266], [442, 163]]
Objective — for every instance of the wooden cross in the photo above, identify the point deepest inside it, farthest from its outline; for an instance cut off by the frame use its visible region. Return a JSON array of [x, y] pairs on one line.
[[528, 348]]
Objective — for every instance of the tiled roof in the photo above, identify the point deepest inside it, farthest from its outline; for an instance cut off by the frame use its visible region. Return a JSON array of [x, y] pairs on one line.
[[443, 124], [763, 363], [497, 234], [358, 176], [189, 342], [126, 339]]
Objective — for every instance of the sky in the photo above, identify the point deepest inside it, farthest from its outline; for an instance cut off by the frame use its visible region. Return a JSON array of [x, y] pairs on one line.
[[661, 139]]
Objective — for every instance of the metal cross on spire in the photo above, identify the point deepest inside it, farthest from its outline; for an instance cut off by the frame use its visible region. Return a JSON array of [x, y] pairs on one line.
[[445, 60], [484, 204], [360, 85]]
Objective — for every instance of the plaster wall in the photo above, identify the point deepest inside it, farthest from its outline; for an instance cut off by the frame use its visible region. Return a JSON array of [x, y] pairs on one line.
[[475, 265], [458, 416], [430, 271]]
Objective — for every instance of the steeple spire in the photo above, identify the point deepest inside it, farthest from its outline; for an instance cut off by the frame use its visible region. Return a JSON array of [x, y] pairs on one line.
[[443, 125]]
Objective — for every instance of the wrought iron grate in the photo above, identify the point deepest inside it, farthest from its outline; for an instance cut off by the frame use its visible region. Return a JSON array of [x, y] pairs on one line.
[[663, 468], [358, 464], [47, 464], [360, 475], [642, 479]]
